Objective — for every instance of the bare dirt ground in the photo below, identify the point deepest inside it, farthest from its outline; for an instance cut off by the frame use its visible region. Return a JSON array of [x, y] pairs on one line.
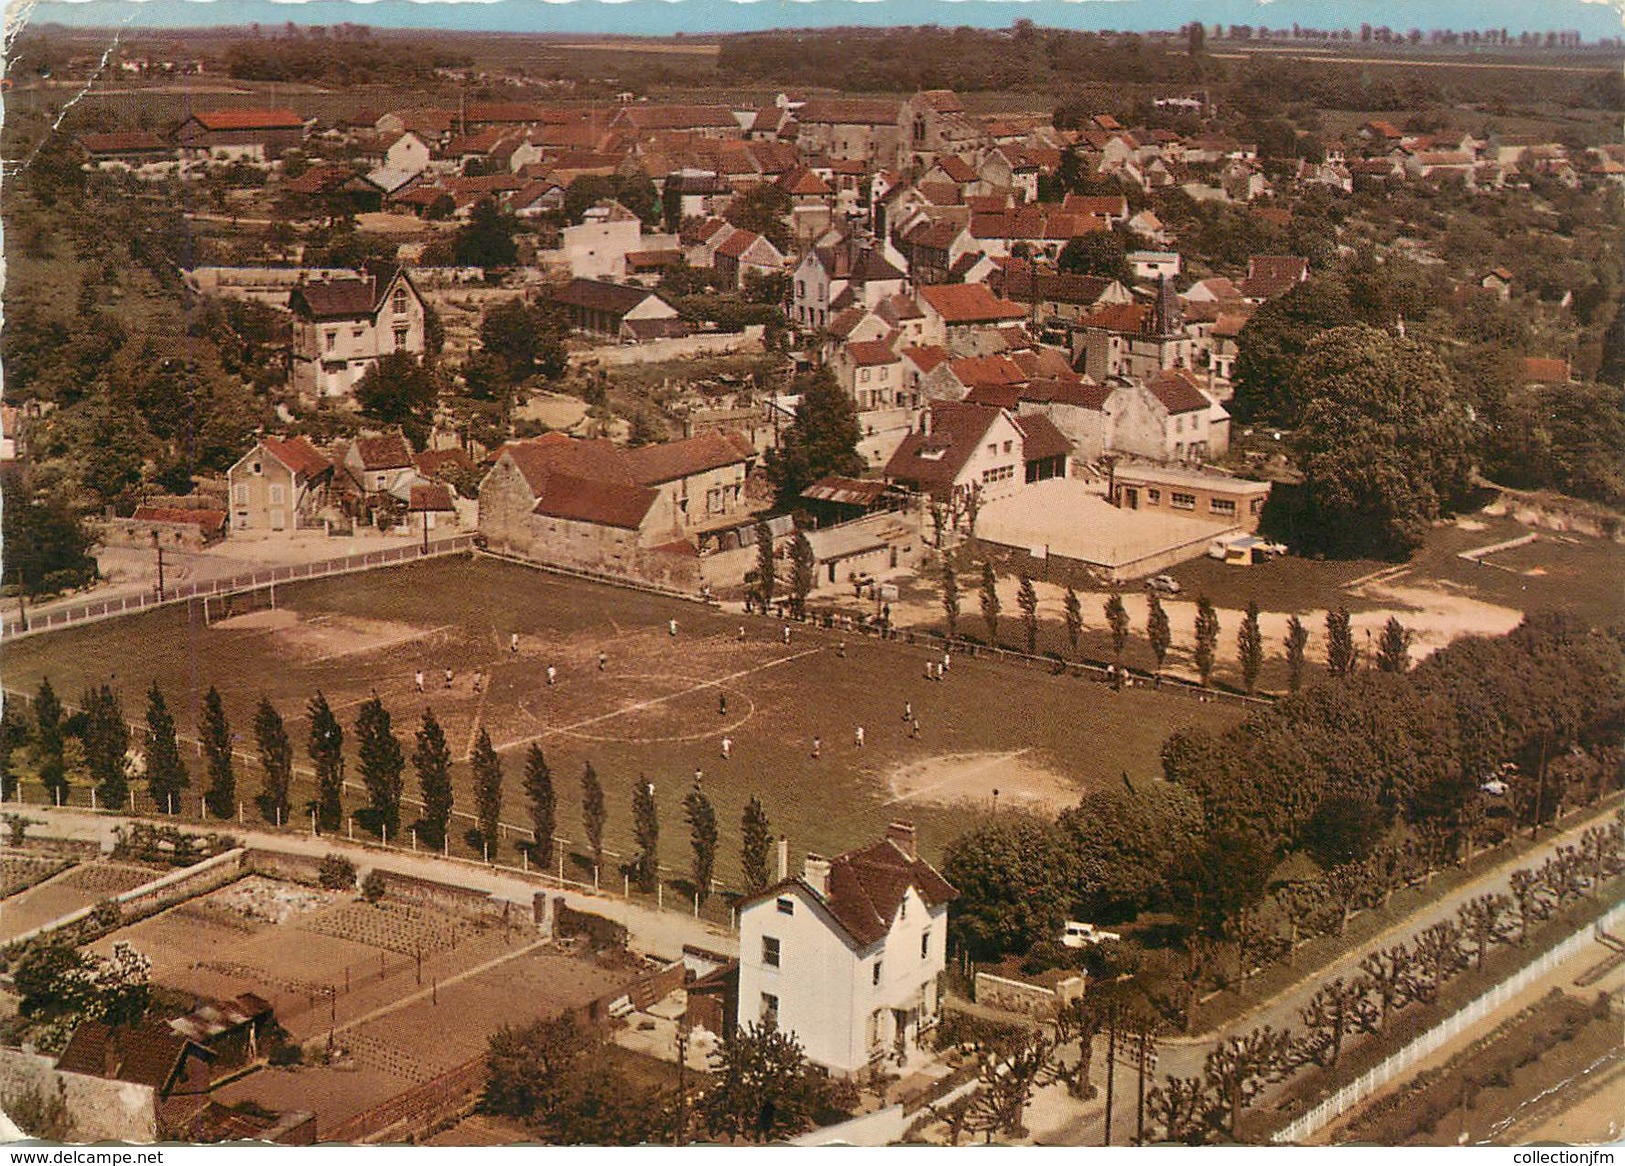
[[983, 780], [324, 636]]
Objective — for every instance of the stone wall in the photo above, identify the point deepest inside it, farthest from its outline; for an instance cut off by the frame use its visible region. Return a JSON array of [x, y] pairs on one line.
[[453, 900], [1025, 999], [292, 868], [102, 1110], [681, 348], [600, 932]]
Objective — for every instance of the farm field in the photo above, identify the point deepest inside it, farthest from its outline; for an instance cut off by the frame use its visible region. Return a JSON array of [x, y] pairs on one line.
[[655, 712]]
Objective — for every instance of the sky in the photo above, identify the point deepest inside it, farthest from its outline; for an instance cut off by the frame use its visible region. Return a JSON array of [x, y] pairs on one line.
[[1593, 18]]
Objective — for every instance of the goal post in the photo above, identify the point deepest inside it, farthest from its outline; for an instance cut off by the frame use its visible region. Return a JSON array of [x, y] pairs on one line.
[[234, 603]]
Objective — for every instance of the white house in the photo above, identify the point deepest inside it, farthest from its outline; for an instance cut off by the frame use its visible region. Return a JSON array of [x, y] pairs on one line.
[[342, 326], [964, 450], [597, 247], [1154, 265], [848, 957]]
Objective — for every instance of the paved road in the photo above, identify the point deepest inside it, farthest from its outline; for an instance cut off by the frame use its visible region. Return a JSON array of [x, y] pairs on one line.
[[1058, 1120], [653, 932]]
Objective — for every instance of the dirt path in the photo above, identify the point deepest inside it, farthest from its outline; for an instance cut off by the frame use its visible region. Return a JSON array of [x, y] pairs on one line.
[[1436, 614]]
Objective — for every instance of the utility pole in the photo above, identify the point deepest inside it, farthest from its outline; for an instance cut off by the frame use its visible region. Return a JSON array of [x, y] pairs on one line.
[[159, 547]]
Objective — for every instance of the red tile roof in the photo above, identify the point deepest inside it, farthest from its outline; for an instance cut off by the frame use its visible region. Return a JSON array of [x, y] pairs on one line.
[[941, 100], [594, 459], [148, 1053], [1040, 439], [335, 299], [867, 886], [925, 356], [969, 303], [135, 142], [932, 461], [987, 370], [387, 451], [956, 168], [738, 243], [668, 461], [805, 182], [304, 459], [434, 497], [871, 352], [1074, 391], [1119, 317], [853, 111], [319, 179], [1177, 391], [602, 503]]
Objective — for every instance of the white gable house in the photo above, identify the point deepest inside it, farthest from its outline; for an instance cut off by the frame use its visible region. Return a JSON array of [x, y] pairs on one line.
[[848, 957]]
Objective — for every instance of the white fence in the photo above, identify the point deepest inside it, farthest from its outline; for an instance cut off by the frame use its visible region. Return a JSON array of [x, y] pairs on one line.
[[1435, 1038], [62, 617]]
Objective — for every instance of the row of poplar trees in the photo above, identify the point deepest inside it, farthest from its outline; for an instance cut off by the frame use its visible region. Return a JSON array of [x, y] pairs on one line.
[[1391, 654], [381, 760]]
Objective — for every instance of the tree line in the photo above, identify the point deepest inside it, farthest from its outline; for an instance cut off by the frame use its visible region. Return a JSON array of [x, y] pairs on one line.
[[1375, 777], [95, 742], [1390, 654], [1343, 1012]]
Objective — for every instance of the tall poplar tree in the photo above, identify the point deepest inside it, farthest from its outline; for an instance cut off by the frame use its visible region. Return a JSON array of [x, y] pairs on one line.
[[487, 793], [327, 755], [543, 804], [167, 778], [215, 732], [276, 759], [431, 758]]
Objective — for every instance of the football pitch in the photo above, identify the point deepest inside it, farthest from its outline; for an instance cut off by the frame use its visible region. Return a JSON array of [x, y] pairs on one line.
[[656, 707]]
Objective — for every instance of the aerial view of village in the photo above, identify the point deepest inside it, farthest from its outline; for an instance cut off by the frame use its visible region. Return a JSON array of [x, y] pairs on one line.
[[864, 581]]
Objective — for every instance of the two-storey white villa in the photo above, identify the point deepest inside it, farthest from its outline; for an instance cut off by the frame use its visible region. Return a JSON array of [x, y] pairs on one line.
[[342, 326], [848, 957]]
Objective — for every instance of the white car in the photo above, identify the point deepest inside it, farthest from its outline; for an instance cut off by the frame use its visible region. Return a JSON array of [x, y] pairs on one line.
[[1167, 584], [1494, 787], [1075, 934]]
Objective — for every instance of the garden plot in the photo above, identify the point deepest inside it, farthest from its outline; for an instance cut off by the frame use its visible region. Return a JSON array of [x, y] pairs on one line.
[[18, 872], [395, 927]]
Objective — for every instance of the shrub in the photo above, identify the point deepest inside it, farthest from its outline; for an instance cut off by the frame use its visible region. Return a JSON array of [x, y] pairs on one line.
[[372, 887], [287, 1054], [336, 873]]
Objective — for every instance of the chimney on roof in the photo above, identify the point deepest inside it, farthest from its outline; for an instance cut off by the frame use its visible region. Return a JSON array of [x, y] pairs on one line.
[[784, 858], [902, 836], [816, 873]]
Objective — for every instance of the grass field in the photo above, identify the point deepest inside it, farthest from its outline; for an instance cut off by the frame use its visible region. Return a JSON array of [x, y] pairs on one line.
[[653, 713]]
